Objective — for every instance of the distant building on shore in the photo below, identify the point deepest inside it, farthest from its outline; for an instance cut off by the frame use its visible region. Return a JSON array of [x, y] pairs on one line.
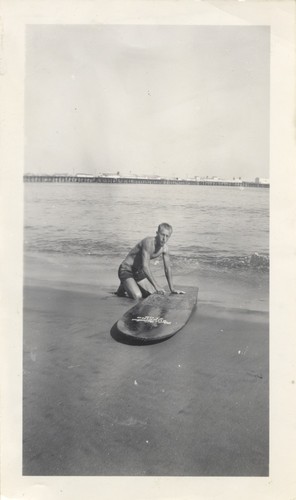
[[89, 176], [261, 180]]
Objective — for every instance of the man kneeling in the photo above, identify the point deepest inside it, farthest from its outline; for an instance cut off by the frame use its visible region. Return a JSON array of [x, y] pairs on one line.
[[136, 278]]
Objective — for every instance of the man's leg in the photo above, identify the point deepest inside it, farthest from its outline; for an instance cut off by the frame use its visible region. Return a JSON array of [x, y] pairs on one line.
[[132, 289], [146, 286]]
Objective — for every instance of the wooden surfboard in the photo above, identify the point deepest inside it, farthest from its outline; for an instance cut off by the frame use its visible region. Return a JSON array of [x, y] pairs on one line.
[[158, 316]]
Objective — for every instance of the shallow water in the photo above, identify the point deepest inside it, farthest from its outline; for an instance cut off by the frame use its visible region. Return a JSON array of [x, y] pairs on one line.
[[220, 238]]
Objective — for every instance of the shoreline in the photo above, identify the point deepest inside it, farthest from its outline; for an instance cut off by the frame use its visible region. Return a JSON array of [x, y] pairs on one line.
[[229, 288]]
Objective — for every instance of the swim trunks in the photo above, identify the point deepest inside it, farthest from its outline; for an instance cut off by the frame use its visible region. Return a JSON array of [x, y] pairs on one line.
[[125, 271]]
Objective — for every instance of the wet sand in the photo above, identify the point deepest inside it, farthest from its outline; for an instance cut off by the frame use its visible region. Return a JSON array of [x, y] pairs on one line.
[[193, 405]]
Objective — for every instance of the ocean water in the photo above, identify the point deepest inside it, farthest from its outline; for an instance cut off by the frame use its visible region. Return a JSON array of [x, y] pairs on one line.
[[220, 237]]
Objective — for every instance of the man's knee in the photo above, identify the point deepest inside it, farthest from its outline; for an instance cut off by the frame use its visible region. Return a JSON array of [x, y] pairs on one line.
[[135, 294], [132, 289]]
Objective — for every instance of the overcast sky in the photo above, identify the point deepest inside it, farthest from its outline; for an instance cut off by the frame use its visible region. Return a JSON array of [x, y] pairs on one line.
[[165, 100]]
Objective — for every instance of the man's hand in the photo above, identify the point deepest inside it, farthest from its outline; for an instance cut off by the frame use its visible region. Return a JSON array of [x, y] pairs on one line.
[[177, 291], [160, 291]]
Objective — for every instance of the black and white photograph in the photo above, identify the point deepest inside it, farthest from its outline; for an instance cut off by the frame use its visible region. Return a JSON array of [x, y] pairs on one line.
[[147, 237], [146, 146]]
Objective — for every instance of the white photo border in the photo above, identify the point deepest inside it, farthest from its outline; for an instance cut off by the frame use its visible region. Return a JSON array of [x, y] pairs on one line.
[[280, 16]]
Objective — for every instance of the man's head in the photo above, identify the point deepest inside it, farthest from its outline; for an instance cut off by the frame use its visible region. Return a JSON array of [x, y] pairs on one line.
[[164, 231]]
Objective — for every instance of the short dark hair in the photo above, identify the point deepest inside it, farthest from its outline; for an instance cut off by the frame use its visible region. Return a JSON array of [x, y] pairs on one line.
[[164, 225]]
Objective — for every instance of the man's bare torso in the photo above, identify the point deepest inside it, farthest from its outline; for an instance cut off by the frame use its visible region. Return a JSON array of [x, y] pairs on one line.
[[148, 244]]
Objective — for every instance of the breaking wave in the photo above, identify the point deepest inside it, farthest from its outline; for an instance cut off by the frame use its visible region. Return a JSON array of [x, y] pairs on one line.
[[254, 261], [185, 261]]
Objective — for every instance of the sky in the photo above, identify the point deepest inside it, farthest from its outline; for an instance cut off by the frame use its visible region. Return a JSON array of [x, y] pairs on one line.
[[178, 101]]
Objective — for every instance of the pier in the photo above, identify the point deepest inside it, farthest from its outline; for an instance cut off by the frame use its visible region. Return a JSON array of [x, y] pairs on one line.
[[102, 179]]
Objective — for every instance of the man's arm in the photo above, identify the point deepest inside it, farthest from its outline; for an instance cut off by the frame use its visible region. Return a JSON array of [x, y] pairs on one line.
[[146, 253], [168, 271]]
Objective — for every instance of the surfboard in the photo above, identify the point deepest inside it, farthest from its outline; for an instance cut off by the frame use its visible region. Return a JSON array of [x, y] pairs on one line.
[[158, 317]]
